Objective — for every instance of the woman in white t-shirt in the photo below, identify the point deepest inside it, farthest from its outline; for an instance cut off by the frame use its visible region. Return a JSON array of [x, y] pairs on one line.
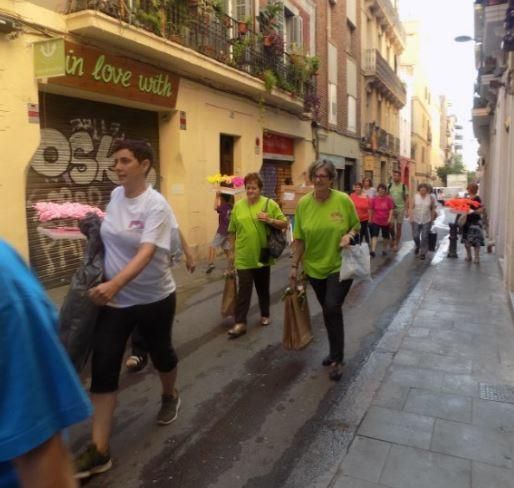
[[422, 214], [139, 291]]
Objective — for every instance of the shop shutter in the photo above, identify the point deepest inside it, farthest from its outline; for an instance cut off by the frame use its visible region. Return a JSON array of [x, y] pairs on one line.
[[72, 165]]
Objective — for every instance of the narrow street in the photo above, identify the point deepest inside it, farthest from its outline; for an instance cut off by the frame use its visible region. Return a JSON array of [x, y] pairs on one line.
[[249, 408]]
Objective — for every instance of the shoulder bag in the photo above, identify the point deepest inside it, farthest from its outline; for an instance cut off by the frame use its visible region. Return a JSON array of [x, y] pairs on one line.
[[276, 238]]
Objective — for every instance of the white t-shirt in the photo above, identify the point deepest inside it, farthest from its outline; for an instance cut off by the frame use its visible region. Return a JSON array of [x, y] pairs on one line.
[[422, 210], [128, 223]]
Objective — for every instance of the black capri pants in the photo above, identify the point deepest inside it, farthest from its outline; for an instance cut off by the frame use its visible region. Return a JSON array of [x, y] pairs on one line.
[[375, 229], [113, 328]]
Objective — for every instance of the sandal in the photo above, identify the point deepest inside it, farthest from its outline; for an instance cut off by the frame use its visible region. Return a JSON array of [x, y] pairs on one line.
[[327, 361], [265, 321], [336, 372], [136, 363]]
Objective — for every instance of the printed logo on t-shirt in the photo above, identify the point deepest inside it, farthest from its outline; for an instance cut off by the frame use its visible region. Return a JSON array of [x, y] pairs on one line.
[[336, 217], [136, 224]]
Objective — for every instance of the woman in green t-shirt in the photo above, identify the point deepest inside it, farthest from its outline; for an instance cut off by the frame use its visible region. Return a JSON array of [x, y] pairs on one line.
[[248, 243], [325, 221]]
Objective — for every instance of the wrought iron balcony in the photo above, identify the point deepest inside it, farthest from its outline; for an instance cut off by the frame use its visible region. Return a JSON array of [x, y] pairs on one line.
[[384, 9], [378, 140], [202, 27], [384, 78]]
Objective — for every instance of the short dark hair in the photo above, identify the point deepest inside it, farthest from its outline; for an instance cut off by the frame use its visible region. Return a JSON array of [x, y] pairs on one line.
[[472, 188], [397, 171], [367, 178], [381, 185], [358, 183], [255, 178], [140, 148], [424, 185]]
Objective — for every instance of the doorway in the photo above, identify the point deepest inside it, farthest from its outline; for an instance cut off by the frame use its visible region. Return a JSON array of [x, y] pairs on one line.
[[226, 154]]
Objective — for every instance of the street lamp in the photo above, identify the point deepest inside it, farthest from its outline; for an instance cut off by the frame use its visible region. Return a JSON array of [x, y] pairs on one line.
[[464, 39]]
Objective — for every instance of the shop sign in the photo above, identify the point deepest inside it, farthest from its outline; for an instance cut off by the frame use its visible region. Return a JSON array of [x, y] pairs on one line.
[[278, 147], [369, 163], [49, 58], [93, 70]]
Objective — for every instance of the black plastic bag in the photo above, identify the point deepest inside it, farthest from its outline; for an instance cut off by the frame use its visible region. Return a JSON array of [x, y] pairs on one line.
[[78, 313]]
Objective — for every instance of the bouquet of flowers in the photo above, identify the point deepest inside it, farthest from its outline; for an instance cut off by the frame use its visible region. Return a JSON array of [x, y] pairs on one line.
[[229, 184], [461, 205], [68, 211]]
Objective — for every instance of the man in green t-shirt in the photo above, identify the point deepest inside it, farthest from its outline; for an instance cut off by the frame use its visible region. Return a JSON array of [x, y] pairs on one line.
[[400, 195]]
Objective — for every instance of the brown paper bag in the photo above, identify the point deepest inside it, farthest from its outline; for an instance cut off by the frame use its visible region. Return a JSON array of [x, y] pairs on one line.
[[228, 301], [297, 332]]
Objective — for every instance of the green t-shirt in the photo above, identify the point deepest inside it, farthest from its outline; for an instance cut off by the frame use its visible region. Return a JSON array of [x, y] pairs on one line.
[[250, 232], [320, 225], [397, 192]]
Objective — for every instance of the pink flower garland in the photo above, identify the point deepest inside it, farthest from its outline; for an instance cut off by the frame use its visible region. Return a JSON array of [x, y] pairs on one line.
[[47, 211]]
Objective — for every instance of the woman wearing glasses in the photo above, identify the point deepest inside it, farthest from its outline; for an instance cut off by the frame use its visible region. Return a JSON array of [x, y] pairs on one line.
[[325, 221]]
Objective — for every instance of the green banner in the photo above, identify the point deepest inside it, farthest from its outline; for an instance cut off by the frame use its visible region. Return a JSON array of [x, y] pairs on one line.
[[49, 58]]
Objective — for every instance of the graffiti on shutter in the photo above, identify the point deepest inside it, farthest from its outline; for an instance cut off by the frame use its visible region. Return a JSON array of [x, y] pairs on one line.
[[72, 164]]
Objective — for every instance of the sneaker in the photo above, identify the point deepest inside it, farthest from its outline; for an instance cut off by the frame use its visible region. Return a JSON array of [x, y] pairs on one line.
[[91, 462], [136, 363], [210, 267], [169, 409]]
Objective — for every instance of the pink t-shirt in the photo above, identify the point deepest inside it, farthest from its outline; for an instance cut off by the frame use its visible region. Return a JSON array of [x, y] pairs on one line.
[[381, 207]]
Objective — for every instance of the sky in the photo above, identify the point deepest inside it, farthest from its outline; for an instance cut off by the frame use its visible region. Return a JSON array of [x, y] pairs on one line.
[[450, 65]]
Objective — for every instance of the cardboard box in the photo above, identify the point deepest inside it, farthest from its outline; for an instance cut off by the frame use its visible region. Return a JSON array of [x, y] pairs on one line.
[[289, 197]]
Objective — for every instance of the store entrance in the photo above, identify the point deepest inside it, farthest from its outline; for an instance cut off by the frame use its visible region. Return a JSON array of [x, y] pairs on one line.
[[226, 154]]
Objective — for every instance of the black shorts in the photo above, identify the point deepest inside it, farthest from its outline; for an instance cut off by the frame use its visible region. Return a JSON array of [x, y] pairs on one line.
[[374, 230], [113, 328]]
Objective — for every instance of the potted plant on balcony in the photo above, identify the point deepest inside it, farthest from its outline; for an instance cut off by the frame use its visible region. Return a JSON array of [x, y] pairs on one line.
[[244, 25], [239, 49], [270, 80]]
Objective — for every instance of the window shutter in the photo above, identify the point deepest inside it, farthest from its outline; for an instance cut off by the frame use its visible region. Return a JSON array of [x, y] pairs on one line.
[[352, 114], [297, 36], [243, 9], [332, 103]]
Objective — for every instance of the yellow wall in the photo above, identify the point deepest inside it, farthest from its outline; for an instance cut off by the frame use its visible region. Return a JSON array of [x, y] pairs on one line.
[[18, 138]]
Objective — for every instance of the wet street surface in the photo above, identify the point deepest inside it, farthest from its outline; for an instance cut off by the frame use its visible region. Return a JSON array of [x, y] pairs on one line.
[[250, 410]]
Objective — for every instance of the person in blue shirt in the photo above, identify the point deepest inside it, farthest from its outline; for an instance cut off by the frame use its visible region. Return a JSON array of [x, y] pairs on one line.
[[40, 392]]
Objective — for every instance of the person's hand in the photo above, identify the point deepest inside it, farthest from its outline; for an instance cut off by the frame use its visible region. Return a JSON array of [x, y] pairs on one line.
[[103, 293], [293, 274], [345, 241], [264, 217], [190, 263]]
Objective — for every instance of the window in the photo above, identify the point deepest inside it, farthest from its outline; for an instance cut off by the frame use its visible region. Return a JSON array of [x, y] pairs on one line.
[[332, 103], [350, 38], [294, 30], [242, 9], [332, 63], [352, 114]]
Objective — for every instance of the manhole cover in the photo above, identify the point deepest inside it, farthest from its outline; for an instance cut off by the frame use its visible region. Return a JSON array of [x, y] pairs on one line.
[[497, 393]]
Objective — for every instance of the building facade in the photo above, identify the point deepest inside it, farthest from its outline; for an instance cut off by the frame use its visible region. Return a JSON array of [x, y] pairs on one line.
[[338, 121], [422, 135], [383, 92], [493, 112], [202, 85]]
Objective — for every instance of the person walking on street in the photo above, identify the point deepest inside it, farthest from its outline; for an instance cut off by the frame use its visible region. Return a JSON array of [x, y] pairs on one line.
[[400, 195], [139, 291], [41, 393], [223, 204], [422, 214], [361, 203], [381, 217], [472, 230], [368, 189], [325, 221], [249, 253]]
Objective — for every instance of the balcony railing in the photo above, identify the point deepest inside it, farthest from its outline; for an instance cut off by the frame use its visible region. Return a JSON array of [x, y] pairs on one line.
[[376, 66], [378, 140], [392, 14], [198, 25]]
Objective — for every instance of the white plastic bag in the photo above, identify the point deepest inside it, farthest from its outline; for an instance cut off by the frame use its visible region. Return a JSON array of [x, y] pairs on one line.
[[356, 263]]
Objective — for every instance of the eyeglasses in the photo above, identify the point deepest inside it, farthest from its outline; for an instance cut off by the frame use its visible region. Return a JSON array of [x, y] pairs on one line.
[[321, 177]]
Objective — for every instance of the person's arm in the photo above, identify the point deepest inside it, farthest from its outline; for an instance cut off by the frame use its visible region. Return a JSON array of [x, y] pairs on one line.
[[354, 224], [275, 218], [407, 202], [46, 466], [391, 211], [298, 250], [104, 292], [190, 260], [217, 200]]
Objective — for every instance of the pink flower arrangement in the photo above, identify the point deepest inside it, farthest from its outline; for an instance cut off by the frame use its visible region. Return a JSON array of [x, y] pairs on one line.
[[47, 211]]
